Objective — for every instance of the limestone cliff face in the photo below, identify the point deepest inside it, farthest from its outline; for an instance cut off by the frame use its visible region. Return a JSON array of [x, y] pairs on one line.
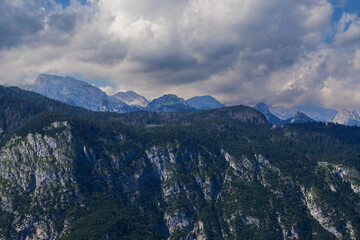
[[49, 177], [37, 178]]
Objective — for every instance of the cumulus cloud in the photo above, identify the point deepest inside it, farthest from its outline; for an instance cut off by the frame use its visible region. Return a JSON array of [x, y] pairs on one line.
[[240, 51], [348, 30], [18, 20]]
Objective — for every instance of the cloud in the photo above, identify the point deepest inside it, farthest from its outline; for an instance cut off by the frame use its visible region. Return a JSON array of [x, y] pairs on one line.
[[109, 90], [348, 30], [62, 22], [240, 51], [204, 38], [18, 21]]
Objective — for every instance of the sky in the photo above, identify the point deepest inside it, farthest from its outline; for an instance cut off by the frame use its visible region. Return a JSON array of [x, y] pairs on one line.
[[240, 51]]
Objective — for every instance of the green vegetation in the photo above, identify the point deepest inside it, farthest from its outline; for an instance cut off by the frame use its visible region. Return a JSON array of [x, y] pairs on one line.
[[123, 176], [102, 217]]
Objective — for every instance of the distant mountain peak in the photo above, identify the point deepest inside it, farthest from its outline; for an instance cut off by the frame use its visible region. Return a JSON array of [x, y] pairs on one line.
[[314, 112], [347, 117], [131, 98], [263, 108], [78, 93], [169, 103], [169, 99], [204, 102], [301, 118], [48, 77]]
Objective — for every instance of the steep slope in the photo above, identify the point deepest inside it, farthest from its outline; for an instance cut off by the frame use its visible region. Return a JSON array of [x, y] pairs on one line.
[[204, 102], [264, 109], [217, 174], [131, 98], [78, 93], [81, 179], [17, 106], [316, 113], [298, 118], [169, 103], [347, 117]]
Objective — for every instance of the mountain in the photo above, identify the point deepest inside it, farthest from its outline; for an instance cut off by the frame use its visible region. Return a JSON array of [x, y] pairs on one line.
[[347, 117], [298, 118], [17, 106], [169, 103], [204, 102], [319, 114], [264, 109], [131, 98], [223, 173], [316, 113], [78, 93]]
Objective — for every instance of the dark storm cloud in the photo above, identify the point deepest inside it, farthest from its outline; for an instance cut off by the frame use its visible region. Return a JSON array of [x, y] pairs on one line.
[[18, 22]]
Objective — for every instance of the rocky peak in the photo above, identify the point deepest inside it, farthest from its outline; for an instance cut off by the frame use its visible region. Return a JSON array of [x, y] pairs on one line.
[[300, 115], [263, 108], [204, 102], [131, 98], [169, 103], [47, 79], [347, 117], [299, 118], [170, 99], [78, 93]]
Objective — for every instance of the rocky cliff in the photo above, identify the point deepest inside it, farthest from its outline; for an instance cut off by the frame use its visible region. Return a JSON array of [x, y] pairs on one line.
[[54, 180], [218, 174], [347, 117]]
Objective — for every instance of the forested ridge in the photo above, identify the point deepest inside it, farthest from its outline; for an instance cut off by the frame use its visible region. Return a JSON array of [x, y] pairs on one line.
[[69, 173]]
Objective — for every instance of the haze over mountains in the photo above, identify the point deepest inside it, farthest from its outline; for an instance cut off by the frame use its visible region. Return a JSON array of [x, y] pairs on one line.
[[299, 117], [319, 114], [280, 115], [78, 93]]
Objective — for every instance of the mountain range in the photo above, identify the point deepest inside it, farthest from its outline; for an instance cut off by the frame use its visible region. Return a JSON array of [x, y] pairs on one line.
[[275, 115], [70, 173], [298, 118], [319, 114], [78, 93]]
